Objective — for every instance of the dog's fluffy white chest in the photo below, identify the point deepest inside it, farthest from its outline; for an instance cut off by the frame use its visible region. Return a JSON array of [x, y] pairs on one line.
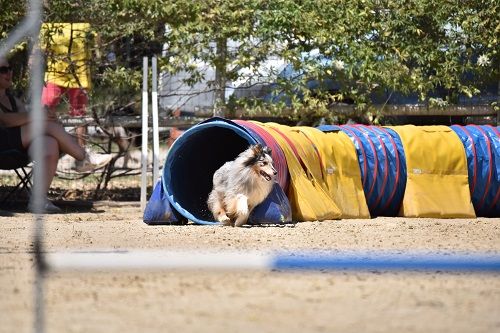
[[259, 193]]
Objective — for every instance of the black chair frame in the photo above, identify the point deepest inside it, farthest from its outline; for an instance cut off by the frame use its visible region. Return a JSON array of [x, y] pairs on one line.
[[18, 161]]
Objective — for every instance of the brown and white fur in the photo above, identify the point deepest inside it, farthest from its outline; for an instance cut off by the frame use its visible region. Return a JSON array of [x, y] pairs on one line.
[[242, 184]]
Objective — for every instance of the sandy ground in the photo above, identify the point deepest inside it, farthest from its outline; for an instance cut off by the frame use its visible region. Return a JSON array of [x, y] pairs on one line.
[[198, 301]]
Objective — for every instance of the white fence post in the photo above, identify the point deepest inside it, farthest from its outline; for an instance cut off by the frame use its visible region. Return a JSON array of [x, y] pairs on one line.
[[144, 155], [154, 104]]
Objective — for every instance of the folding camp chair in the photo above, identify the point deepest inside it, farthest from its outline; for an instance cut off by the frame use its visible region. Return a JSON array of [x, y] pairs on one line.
[[18, 161]]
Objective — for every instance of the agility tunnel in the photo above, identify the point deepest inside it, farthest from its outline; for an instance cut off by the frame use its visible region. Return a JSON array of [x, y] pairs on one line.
[[197, 154], [347, 171]]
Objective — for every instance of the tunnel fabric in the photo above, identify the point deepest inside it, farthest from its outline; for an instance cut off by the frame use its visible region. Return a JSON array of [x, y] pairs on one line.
[[437, 181]]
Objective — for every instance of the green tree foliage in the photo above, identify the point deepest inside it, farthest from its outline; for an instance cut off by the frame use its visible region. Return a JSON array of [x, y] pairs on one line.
[[367, 46], [394, 46], [10, 15]]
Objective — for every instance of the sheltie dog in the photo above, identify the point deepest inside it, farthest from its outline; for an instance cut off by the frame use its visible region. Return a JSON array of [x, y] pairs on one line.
[[242, 184]]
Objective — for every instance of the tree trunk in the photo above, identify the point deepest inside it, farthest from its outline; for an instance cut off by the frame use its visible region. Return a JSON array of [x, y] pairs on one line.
[[220, 78]]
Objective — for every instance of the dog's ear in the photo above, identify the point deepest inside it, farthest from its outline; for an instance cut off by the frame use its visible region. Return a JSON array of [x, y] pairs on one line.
[[267, 150], [256, 152], [257, 149]]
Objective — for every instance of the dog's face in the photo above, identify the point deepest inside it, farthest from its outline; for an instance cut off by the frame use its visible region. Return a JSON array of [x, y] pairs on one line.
[[261, 162]]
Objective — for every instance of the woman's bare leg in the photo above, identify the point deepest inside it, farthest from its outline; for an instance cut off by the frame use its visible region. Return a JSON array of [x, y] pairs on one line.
[[51, 158], [66, 143]]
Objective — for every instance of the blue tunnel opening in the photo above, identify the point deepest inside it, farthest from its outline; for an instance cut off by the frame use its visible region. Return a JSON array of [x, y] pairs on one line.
[[192, 161]]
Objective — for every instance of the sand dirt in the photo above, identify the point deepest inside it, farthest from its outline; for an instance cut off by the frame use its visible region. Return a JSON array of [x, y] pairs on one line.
[[198, 301]]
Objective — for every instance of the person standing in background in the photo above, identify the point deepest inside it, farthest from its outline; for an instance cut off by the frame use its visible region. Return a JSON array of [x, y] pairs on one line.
[[68, 50]]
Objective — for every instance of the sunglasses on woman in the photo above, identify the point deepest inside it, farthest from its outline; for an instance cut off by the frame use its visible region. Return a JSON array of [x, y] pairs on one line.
[[5, 69]]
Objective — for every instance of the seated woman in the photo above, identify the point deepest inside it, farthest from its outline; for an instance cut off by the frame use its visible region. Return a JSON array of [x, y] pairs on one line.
[[15, 135]]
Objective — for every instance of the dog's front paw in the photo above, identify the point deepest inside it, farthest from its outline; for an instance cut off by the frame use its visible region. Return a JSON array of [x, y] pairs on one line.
[[225, 220], [240, 222]]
